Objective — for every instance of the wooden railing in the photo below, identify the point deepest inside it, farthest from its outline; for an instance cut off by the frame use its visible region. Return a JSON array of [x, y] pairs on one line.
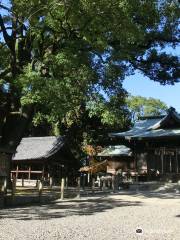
[[29, 172]]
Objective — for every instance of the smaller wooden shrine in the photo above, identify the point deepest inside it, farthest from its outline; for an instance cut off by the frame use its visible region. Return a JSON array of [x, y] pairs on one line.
[[114, 165], [42, 158], [119, 158]]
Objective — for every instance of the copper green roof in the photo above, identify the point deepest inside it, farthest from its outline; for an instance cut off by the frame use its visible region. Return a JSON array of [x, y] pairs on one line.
[[165, 126], [118, 150]]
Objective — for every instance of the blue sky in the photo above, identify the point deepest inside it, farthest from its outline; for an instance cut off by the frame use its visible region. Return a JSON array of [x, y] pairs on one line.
[[143, 86], [140, 85]]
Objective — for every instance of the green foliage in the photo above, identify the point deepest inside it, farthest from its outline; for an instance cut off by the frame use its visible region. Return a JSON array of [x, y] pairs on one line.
[[112, 112], [141, 106]]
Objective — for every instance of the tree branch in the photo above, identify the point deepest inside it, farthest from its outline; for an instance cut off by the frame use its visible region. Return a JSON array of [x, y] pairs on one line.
[[5, 8], [7, 38], [3, 73]]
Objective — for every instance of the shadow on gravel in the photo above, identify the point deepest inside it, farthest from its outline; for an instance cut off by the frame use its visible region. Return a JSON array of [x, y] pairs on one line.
[[65, 208], [178, 215], [149, 194]]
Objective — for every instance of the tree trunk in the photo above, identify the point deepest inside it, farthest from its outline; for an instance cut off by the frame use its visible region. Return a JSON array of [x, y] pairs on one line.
[[5, 166], [12, 132]]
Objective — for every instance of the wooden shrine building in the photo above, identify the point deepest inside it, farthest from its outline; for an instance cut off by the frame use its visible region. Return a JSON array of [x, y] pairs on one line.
[[42, 157], [118, 157], [155, 145]]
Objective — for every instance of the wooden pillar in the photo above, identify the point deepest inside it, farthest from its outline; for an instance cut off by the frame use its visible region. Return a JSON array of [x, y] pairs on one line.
[[50, 182], [22, 180], [103, 184], [109, 183], [4, 186], [136, 166], [88, 180], [135, 161], [17, 170], [177, 166], [29, 173], [170, 163], [40, 189], [37, 184], [83, 180], [162, 161], [66, 185], [43, 172], [13, 187], [62, 188], [48, 176], [78, 187], [113, 182], [93, 184], [98, 179]]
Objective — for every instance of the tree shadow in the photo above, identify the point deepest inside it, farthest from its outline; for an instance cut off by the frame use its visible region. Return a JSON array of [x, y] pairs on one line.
[[60, 209], [151, 194]]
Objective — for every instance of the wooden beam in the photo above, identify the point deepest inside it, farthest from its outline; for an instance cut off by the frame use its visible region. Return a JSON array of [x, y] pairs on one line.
[[26, 171]]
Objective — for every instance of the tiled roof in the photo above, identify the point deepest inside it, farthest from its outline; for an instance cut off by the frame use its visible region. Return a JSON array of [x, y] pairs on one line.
[[140, 127], [165, 120], [38, 147], [158, 133], [118, 150], [153, 127]]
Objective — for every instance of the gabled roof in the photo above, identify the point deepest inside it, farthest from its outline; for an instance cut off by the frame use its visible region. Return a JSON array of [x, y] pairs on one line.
[[164, 122], [140, 127], [118, 150], [38, 147], [153, 127], [159, 133]]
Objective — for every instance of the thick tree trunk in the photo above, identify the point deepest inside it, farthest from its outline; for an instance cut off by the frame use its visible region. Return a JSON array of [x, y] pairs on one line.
[[5, 167], [12, 133]]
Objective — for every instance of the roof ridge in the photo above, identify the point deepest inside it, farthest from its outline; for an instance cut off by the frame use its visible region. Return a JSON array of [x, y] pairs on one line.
[[151, 117]]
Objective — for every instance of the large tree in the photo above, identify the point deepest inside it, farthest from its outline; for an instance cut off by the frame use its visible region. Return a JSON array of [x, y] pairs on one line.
[[57, 54]]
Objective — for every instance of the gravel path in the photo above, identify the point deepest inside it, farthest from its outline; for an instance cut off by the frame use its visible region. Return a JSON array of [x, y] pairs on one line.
[[97, 218]]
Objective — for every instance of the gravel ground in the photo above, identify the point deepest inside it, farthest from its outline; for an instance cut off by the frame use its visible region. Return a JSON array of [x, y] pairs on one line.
[[97, 218]]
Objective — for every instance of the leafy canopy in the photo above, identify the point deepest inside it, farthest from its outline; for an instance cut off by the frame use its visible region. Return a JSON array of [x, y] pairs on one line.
[[56, 55]]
